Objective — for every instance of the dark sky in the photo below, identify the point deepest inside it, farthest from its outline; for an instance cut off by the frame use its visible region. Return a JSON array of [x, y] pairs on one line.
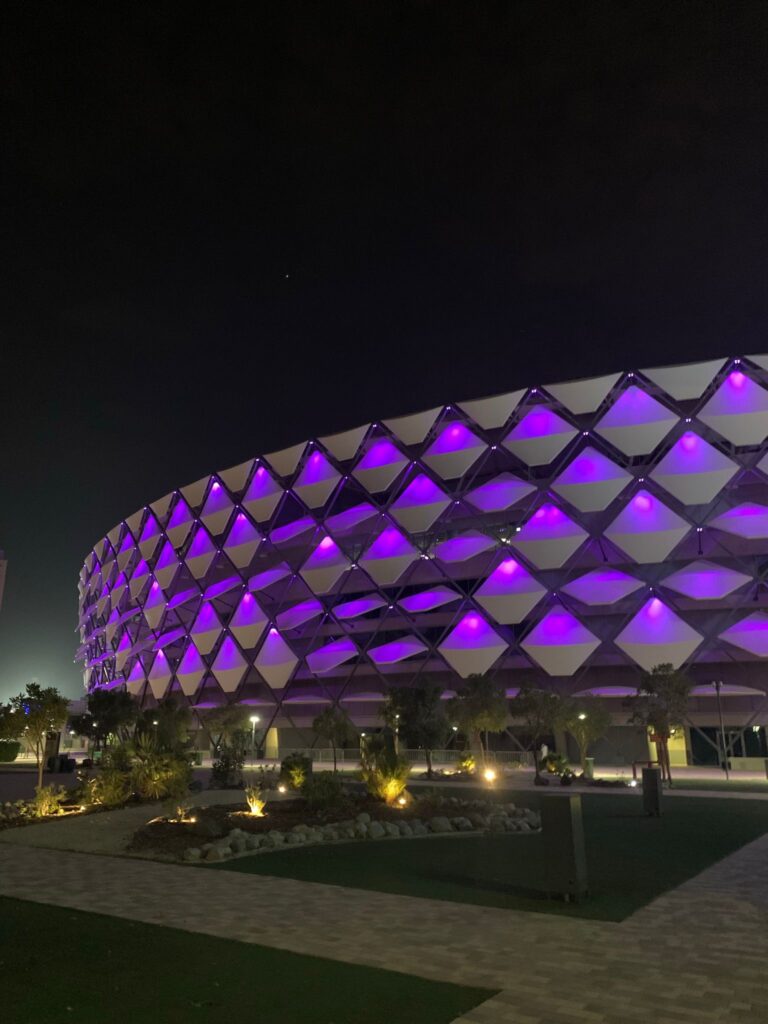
[[228, 227]]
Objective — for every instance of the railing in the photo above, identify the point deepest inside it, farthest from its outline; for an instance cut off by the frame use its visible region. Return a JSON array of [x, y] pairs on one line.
[[322, 755]]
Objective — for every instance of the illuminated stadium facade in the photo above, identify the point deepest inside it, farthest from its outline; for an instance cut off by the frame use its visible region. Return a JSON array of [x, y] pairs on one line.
[[572, 534]]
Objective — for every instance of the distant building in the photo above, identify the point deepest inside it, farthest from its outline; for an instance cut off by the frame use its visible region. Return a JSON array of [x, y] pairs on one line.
[[574, 535]]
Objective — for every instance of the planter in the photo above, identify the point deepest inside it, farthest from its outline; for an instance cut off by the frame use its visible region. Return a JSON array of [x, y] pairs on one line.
[[9, 750]]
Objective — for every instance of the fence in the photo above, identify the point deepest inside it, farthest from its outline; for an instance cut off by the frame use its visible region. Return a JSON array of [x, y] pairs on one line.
[[509, 758]]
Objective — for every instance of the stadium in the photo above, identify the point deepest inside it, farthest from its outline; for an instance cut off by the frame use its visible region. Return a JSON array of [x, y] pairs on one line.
[[573, 535]]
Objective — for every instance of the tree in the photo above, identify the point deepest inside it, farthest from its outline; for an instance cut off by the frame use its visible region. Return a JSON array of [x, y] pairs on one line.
[[167, 724], [44, 710], [224, 724], [660, 706], [480, 706], [587, 720], [541, 711], [333, 724], [110, 713], [419, 713], [11, 724]]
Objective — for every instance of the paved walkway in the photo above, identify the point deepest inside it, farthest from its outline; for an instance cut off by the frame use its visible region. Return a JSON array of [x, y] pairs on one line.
[[693, 956]]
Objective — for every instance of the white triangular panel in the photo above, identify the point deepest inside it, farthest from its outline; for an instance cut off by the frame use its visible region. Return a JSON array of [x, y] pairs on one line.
[[705, 581], [636, 423], [693, 471], [275, 661], [685, 382], [582, 396], [413, 429], [646, 529], [161, 506], [539, 436], [344, 446], [738, 410], [489, 413], [235, 479], [559, 643], [285, 461], [194, 493], [657, 636], [509, 593], [591, 481]]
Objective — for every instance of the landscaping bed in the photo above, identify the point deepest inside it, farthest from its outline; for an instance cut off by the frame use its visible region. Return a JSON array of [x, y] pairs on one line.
[[222, 830]]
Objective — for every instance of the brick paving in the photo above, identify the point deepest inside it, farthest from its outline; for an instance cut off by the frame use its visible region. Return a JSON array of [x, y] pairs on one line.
[[694, 955]]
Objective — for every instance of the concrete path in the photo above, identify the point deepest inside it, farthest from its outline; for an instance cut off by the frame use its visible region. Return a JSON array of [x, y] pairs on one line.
[[693, 956]]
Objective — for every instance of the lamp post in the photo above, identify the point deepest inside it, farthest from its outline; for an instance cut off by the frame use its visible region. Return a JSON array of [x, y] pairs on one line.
[[253, 720], [717, 686]]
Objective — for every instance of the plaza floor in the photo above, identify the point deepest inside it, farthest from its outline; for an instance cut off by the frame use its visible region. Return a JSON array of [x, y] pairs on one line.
[[694, 955]]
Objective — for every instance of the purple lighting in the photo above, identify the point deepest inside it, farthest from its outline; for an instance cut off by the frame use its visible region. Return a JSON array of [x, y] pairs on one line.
[[428, 600], [454, 438], [397, 650], [460, 549], [359, 606], [381, 453], [499, 494]]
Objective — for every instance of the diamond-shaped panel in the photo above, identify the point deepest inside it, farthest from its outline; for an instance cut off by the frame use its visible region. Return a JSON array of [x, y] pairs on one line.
[[657, 636], [646, 529], [560, 643]]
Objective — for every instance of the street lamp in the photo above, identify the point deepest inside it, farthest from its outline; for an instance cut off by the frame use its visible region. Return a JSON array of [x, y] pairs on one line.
[[254, 719]]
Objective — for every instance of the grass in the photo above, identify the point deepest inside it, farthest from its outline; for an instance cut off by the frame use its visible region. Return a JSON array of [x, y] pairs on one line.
[[631, 859], [67, 967]]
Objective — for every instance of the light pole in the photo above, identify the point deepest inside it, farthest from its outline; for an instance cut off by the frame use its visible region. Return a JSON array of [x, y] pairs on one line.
[[717, 686], [397, 734], [253, 720]]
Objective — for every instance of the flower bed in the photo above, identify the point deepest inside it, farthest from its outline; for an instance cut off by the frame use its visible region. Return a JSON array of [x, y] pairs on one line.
[[221, 831]]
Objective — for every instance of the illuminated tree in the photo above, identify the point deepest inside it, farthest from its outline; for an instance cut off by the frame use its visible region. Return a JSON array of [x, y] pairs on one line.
[[333, 724], [587, 721], [419, 713], [541, 711], [480, 706], [660, 706], [44, 710]]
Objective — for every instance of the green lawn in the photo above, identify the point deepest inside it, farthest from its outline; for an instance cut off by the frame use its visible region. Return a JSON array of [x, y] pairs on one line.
[[631, 858], [65, 967]]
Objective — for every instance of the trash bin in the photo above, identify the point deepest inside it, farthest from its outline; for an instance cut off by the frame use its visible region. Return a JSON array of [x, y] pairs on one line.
[[589, 767]]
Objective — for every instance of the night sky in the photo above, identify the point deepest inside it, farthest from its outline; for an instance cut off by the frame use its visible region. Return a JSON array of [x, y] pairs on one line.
[[230, 227]]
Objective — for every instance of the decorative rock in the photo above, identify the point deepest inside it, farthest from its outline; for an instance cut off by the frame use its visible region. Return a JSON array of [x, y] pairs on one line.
[[376, 830], [462, 824], [363, 819], [193, 853], [478, 820], [391, 829], [404, 829], [523, 826], [498, 823], [252, 842], [214, 854], [276, 836], [330, 834], [361, 830], [419, 829], [294, 838], [237, 845], [268, 842], [302, 828], [439, 824]]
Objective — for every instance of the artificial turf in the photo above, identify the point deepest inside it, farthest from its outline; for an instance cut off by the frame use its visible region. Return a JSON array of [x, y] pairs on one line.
[[631, 858], [61, 966]]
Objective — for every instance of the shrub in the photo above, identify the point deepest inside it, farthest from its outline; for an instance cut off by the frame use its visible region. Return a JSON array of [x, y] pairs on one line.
[[118, 758], [467, 764], [556, 764], [324, 791], [9, 750], [295, 769], [160, 776], [255, 800], [227, 770], [384, 772], [109, 788], [48, 800]]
